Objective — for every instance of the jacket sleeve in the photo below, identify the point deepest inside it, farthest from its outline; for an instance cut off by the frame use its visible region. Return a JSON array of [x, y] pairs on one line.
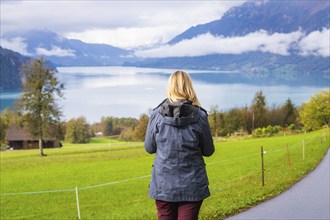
[[149, 141], [206, 141]]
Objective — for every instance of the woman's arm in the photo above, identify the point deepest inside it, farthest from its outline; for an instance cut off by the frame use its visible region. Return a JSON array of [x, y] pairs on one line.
[[206, 141], [150, 142]]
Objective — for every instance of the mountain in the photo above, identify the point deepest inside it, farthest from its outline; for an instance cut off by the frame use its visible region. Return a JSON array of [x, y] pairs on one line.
[[287, 38], [68, 52], [254, 68], [272, 16], [10, 63]]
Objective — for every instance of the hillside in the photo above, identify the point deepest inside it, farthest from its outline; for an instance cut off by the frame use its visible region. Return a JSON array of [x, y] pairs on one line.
[[253, 68], [10, 62], [272, 16]]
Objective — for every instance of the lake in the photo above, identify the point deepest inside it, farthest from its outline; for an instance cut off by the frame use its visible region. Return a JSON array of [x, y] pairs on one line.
[[119, 91]]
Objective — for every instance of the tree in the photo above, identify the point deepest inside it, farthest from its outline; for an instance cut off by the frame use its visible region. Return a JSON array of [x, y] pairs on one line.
[[41, 91], [107, 124], [214, 120], [259, 110], [141, 127], [289, 113], [234, 120], [7, 117], [3, 128], [275, 115], [77, 130], [222, 124], [316, 113], [247, 118]]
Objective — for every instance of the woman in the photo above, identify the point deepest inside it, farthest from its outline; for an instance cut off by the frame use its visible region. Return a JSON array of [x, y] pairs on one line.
[[179, 133]]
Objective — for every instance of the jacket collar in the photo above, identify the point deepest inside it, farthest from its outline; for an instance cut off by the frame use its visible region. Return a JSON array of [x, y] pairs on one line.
[[179, 113]]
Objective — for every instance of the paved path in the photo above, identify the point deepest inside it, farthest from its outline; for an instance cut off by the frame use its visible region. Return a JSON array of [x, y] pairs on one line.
[[307, 199]]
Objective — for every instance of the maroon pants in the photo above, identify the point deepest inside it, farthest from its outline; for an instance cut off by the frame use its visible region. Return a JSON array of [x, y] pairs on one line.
[[178, 210]]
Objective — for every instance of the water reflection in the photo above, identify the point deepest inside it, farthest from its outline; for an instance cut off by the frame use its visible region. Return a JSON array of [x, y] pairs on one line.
[[129, 91]]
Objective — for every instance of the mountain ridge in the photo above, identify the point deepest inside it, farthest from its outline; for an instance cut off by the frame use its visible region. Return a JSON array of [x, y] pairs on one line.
[[10, 73], [68, 52], [251, 17]]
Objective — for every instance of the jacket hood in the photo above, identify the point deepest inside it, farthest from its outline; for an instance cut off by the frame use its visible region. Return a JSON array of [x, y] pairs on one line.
[[179, 113]]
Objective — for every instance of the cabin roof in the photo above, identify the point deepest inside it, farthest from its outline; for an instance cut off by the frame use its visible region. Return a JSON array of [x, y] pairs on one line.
[[18, 133]]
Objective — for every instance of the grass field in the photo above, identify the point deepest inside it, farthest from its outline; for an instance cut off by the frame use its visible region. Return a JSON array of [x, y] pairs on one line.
[[113, 177]]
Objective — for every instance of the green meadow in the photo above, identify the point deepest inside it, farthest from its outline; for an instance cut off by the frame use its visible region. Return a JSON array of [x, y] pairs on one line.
[[112, 177]]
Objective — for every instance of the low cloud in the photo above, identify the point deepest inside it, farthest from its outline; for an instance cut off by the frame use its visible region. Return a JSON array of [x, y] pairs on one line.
[[316, 43], [127, 38], [16, 44], [55, 51]]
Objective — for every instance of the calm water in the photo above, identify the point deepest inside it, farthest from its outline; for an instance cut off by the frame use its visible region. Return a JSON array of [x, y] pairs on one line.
[[129, 91]]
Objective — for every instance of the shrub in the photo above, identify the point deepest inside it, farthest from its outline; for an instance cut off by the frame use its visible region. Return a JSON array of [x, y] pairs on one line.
[[127, 135], [266, 131], [292, 127]]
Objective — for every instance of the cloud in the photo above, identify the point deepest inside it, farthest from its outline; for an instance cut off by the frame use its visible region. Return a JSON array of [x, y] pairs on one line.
[[127, 38], [16, 44], [278, 43], [55, 51], [316, 43], [105, 21]]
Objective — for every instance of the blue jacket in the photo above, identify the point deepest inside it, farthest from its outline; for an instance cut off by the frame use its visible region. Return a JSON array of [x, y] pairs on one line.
[[179, 134]]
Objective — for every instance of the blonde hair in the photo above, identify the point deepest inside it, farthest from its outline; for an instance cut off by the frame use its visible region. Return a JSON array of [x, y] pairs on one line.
[[179, 87]]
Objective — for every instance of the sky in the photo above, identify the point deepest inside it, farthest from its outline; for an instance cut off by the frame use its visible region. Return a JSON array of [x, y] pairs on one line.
[[146, 27], [125, 24]]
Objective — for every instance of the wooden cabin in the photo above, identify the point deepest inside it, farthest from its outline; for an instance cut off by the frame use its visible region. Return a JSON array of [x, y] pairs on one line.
[[21, 138]]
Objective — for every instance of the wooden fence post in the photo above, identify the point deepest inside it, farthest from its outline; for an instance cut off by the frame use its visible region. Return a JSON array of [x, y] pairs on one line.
[[289, 160], [262, 167], [325, 136], [303, 149]]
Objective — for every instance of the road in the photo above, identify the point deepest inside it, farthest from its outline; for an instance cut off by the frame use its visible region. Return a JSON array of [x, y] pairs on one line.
[[308, 199]]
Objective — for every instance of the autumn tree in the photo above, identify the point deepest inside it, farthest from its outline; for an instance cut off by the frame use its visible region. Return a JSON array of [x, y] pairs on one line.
[[8, 117], [214, 120], [247, 119], [316, 113], [78, 130], [39, 101], [141, 127]]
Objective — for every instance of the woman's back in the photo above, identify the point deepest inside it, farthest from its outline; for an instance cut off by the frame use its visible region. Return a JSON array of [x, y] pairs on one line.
[[182, 141], [180, 135]]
